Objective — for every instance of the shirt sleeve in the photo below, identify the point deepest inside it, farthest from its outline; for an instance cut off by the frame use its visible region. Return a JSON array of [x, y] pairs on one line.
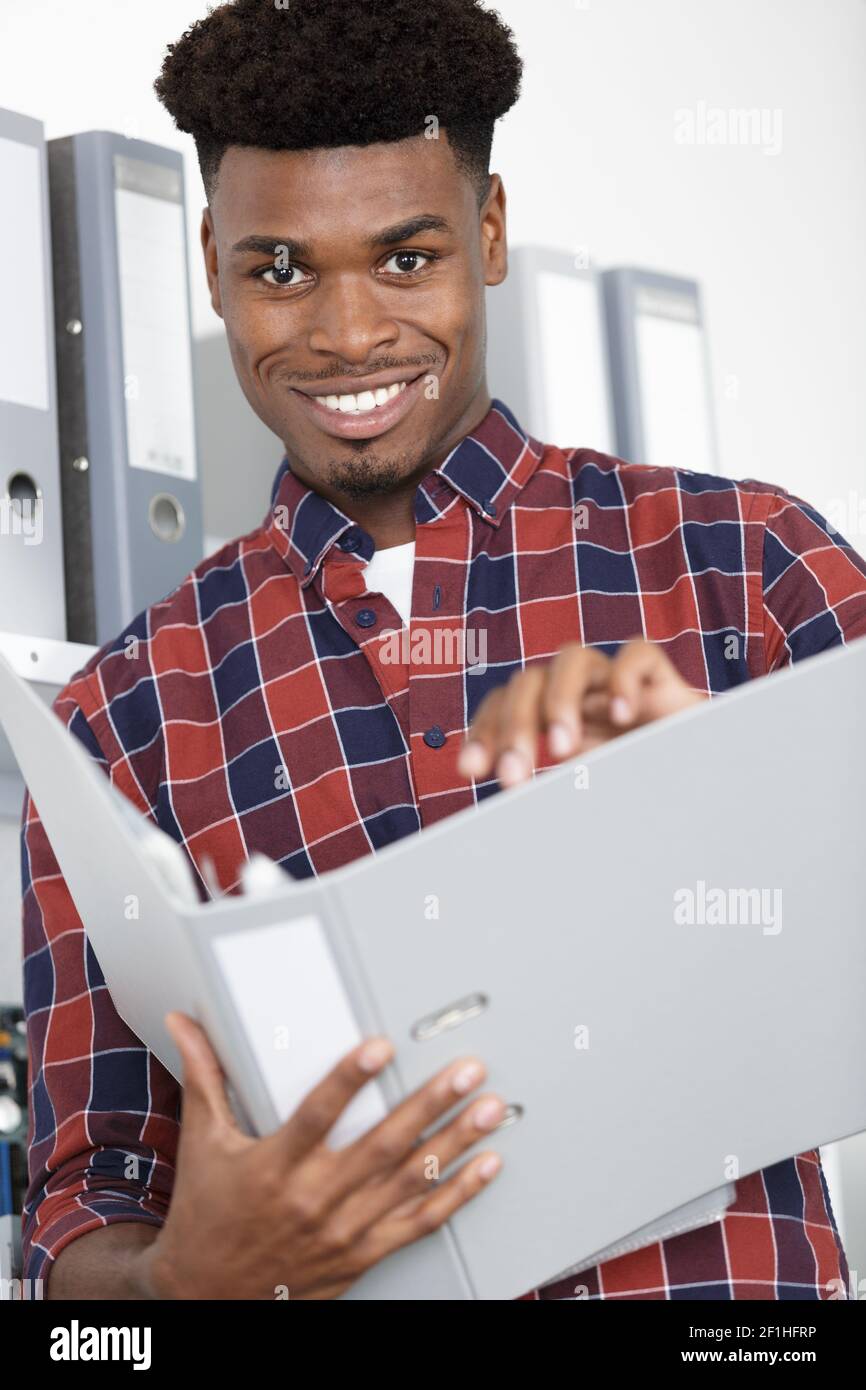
[[814, 584], [104, 1112]]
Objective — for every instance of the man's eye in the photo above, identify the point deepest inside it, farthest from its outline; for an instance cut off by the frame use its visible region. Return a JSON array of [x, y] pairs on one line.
[[408, 261], [279, 275]]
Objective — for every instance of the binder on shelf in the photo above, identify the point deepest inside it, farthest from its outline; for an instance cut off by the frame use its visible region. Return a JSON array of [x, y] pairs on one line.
[[713, 963], [547, 348], [131, 491], [660, 371], [31, 526]]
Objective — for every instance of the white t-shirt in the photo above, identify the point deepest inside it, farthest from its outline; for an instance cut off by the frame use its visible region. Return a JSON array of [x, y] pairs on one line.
[[390, 573]]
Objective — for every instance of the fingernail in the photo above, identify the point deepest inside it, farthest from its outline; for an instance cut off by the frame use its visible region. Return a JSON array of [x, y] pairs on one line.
[[620, 711], [512, 767], [489, 1166], [488, 1114], [467, 1077], [374, 1055], [560, 740], [472, 759]]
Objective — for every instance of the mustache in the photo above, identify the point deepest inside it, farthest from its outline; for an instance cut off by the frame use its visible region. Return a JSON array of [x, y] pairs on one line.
[[336, 368]]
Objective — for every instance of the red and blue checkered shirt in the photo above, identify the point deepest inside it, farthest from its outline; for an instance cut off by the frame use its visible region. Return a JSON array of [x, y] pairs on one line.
[[269, 656]]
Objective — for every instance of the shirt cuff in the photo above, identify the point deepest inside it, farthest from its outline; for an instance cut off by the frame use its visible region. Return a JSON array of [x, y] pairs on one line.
[[42, 1244]]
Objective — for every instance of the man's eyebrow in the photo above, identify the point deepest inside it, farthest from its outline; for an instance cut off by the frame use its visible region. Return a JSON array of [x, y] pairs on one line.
[[402, 231], [272, 246], [302, 250]]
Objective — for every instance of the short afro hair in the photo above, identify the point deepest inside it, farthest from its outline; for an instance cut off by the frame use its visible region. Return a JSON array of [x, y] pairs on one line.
[[313, 74]]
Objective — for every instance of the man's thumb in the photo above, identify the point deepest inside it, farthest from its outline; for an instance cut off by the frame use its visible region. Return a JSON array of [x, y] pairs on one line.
[[204, 1085]]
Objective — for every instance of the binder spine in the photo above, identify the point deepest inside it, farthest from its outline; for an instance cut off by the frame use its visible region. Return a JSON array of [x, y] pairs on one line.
[[69, 330]]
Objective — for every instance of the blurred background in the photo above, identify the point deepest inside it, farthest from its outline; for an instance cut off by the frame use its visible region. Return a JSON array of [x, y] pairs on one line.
[[714, 147]]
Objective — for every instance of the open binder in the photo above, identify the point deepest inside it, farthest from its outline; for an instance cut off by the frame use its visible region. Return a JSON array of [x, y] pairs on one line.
[[660, 956]]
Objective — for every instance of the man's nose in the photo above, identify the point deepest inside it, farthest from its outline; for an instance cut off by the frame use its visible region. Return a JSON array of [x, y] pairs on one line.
[[351, 321]]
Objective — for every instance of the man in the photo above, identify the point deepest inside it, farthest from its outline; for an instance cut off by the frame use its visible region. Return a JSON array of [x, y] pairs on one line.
[[351, 229]]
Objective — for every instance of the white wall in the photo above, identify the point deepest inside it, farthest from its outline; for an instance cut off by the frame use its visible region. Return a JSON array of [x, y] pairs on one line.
[[590, 160]]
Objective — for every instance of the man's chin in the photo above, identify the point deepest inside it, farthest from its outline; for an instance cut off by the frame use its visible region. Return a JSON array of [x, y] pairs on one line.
[[368, 475]]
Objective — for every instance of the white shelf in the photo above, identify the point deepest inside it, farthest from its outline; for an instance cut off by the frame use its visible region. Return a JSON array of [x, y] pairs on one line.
[[48, 664]]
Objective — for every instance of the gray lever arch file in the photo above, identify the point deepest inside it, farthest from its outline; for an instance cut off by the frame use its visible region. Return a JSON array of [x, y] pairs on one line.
[[131, 491], [660, 370], [660, 959], [31, 520]]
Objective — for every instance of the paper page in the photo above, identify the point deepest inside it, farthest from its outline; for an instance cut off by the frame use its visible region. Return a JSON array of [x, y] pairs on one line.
[[291, 1002]]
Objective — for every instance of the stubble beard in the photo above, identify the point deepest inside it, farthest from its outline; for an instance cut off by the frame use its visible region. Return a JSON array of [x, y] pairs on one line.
[[370, 474]]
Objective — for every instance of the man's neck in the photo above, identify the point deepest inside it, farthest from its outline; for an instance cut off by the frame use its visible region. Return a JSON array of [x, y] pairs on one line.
[[390, 517]]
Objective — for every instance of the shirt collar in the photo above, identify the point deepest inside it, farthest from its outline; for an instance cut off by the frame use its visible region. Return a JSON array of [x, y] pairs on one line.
[[488, 468]]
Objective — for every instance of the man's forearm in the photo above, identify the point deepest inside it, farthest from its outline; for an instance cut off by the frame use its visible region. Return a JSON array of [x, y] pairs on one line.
[[107, 1263]]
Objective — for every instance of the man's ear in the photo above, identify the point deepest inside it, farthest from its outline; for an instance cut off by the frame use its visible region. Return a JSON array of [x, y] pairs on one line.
[[494, 240], [211, 260]]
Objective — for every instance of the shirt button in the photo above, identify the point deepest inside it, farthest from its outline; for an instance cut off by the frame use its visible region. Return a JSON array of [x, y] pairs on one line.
[[365, 617], [434, 738], [351, 542], [490, 508]]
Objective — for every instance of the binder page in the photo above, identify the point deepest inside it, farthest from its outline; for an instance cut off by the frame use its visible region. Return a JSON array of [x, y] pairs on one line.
[[291, 1002]]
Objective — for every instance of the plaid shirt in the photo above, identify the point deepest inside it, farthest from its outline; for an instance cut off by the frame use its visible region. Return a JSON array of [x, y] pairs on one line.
[[253, 710]]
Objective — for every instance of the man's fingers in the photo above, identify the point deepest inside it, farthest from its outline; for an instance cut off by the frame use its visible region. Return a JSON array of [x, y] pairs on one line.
[[319, 1111], [478, 754], [428, 1214], [564, 699], [384, 1147], [204, 1085], [574, 673], [644, 685], [414, 1178], [519, 727], [634, 665]]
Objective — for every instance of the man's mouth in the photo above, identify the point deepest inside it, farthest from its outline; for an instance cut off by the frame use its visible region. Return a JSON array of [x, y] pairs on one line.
[[362, 414], [364, 401]]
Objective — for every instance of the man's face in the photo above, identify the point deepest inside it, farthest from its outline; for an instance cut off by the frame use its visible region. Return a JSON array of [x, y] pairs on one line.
[[351, 282]]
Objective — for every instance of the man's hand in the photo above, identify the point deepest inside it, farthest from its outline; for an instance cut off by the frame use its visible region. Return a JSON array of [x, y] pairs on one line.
[[249, 1216], [580, 699]]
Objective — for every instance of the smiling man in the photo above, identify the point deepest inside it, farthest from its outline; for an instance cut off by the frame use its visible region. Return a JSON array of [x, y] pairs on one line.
[[352, 229]]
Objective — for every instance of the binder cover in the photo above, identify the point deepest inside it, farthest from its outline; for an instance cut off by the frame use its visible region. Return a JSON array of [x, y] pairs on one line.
[[661, 961]]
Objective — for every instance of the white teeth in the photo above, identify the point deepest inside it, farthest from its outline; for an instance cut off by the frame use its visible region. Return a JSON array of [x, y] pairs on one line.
[[364, 401]]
